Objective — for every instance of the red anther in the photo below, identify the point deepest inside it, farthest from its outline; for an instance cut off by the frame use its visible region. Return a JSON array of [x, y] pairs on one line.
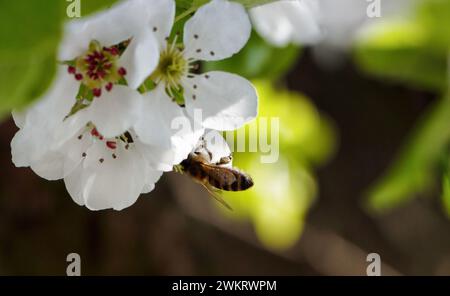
[[101, 74], [95, 132], [114, 50], [78, 76], [109, 86], [111, 144], [71, 69], [97, 92], [122, 71]]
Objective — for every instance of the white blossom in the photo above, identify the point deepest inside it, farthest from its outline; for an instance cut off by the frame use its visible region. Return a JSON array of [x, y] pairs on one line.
[[225, 101]]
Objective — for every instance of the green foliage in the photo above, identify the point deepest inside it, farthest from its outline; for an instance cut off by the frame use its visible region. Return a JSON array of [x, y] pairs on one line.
[[446, 194], [434, 16], [186, 4], [88, 7], [258, 60], [414, 169], [30, 31], [402, 52]]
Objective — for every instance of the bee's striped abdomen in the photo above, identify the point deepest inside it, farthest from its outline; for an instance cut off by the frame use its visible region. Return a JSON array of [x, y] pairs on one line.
[[242, 182]]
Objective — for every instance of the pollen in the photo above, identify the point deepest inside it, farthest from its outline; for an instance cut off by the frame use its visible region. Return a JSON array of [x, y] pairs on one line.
[[97, 67]]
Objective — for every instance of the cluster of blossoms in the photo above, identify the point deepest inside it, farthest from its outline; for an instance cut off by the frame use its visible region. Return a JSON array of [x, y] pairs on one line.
[[128, 102], [334, 24]]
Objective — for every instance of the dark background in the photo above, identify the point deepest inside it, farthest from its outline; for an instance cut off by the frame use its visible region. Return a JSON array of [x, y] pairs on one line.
[[174, 231]]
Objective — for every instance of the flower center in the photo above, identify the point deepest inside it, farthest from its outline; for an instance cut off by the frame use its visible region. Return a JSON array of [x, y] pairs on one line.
[[111, 152], [171, 68], [98, 67]]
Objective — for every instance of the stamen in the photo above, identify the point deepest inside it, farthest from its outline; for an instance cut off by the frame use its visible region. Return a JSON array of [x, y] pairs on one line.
[[109, 86], [122, 71], [97, 92], [71, 69], [95, 132], [111, 144]]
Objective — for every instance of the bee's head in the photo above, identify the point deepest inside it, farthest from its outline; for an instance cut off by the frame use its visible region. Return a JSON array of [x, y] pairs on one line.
[[201, 155]]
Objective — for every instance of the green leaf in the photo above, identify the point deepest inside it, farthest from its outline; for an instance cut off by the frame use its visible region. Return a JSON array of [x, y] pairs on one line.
[[254, 3], [258, 60], [413, 171], [434, 16], [246, 3], [446, 194], [400, 51], [88, 7], [30, 32]]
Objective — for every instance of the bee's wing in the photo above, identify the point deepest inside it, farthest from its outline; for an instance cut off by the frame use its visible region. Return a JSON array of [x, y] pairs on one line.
[[217, 196], [221, 174]]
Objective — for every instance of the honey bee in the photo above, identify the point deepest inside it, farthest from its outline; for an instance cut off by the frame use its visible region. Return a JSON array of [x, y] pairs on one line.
[[214, 176]]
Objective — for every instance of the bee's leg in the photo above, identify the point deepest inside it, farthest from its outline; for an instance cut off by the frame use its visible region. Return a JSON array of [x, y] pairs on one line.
[[214, 193], [178, 169], [225, 160]]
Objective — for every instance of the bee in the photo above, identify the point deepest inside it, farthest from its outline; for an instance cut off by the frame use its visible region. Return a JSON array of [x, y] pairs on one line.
[[214, 176]]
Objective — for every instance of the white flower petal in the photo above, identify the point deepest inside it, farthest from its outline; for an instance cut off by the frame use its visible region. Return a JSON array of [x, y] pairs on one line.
[[161, 159], [36, 136], [164, 124], [152, 176], [114, 112], [75, 184], [140, 58], [216, 144], [75, 149], [19, 117], [227, 101], [283, 22], [112, 182], [69, 127], [218, 30], [121, 22], [50, 166]]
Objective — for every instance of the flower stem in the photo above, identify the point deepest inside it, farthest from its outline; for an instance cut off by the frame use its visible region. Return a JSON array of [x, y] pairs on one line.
[[186, 13]]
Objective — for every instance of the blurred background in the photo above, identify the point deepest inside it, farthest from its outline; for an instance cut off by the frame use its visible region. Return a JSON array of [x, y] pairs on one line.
[[364, 157]]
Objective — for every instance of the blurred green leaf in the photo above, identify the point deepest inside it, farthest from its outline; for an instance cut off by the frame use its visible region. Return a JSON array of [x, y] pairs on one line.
[[304, 133], [30, 31], [88, 7], [446, 194], [258, 60], [401, 51], [278, 203], [434, 16], [413, 170]]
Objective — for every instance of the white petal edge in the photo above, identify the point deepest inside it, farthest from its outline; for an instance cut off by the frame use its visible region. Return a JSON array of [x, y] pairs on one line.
[[114, 112], [218, 30], [119, 23], [285, 22], [112, 183], [140, 58], [225, 101]]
